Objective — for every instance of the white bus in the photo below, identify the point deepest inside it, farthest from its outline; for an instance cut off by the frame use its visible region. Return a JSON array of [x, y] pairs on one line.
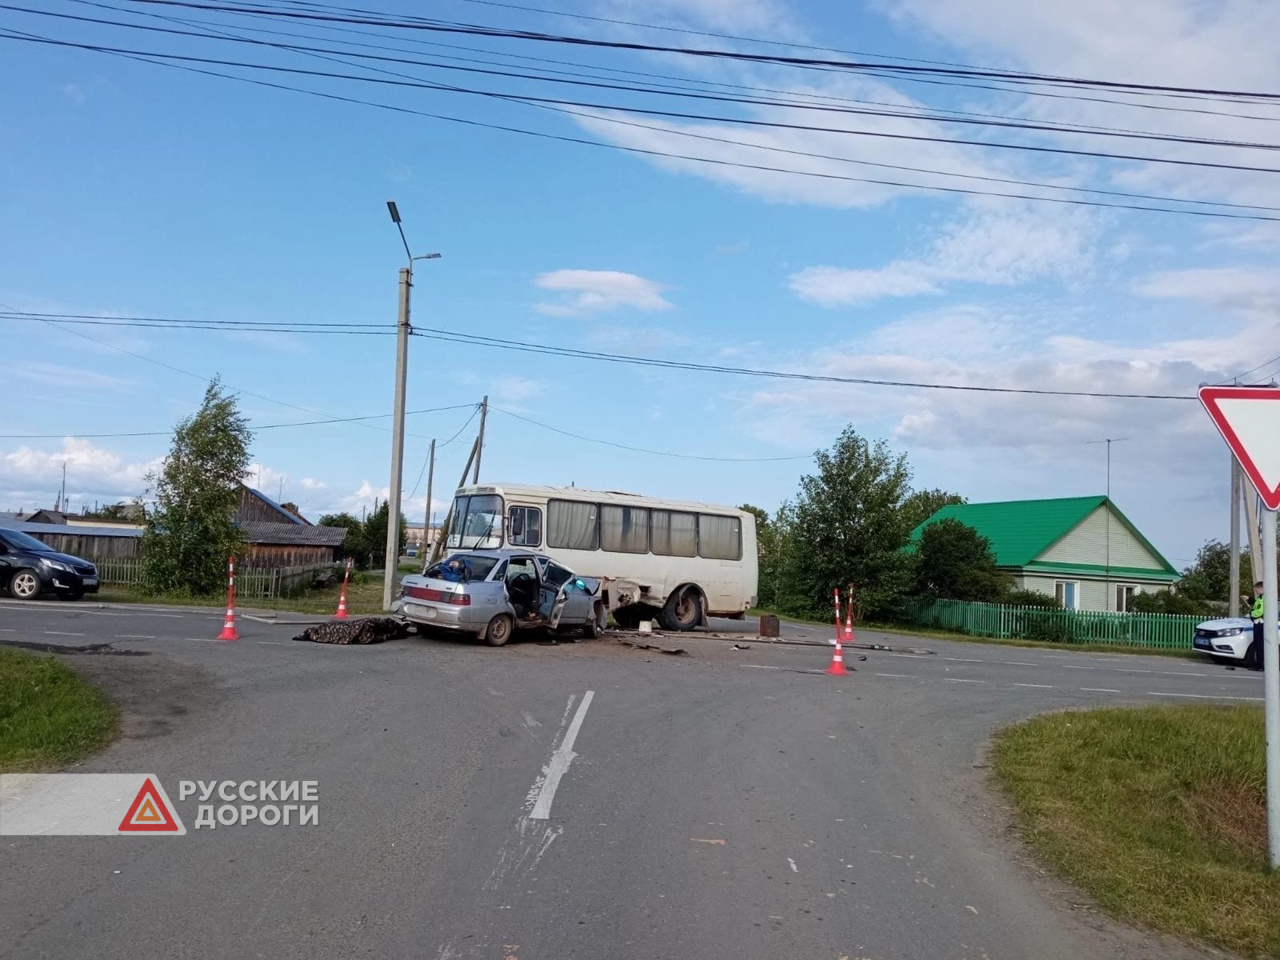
[[676, 561]]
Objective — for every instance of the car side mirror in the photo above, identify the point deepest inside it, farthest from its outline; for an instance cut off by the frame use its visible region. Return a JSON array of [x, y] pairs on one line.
[[580, 585]]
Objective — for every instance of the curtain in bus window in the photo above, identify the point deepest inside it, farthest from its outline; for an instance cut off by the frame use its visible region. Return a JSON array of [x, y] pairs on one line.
[[624, 529], [675, 534], [719, 538], [571, 526]]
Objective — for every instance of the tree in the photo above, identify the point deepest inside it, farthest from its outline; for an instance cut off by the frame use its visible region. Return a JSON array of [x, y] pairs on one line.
[[190, 533], [354, 544], [954, 562], [375, 536], [846, 525], [923, 504], [768, 554]]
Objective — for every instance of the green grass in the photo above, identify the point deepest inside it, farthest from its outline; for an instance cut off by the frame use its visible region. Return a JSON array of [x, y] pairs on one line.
[[49, 715], [364, 597], [1158, 813]]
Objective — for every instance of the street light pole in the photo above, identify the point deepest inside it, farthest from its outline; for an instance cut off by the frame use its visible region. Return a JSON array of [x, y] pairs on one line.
[[1107, 579], [397, 428]]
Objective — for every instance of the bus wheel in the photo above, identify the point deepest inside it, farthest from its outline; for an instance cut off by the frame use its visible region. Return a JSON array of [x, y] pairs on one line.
[[683, 610]]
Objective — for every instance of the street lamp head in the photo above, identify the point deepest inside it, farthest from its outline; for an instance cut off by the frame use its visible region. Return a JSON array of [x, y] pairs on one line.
[[428, 256], [395, 213]]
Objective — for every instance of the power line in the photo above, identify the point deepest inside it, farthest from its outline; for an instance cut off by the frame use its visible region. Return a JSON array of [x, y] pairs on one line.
[[896, 113], [144, 58], [58, 325], [422, 472], [920, 80], [670, 114], [265, 426], [656, 453], [525, 347], [172, 322], [689, 134], [441, 26]]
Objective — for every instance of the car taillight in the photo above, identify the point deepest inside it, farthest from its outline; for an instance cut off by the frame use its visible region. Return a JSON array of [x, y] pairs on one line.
[[460, 599]]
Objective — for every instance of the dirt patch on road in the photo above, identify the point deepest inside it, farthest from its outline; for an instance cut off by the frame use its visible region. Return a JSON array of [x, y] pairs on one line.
[[156, 695]]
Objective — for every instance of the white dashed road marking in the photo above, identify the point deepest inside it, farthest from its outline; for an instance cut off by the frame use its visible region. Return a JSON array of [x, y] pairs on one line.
[[1204, 696], [559, 763], [55, 633], [1097, 690], [1037, 686]]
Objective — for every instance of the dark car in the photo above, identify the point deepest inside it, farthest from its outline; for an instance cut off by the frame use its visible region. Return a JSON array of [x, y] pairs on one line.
[[29, 568]]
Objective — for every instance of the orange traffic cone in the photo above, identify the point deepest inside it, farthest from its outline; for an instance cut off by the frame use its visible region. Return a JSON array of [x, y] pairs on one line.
[[836, 596], [342, 598], [229, 624], [837, 662]]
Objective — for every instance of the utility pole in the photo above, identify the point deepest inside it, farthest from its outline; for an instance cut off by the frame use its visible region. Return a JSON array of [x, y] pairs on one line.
[[1237, 488], [484, 412], [1271, 683], [431, 475], [397, 428]]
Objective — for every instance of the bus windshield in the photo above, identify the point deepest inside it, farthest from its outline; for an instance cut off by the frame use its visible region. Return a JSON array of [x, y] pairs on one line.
[[477, 522]]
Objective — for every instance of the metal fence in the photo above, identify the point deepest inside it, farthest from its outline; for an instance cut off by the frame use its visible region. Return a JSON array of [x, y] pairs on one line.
[[265, 583], [1155, 630]]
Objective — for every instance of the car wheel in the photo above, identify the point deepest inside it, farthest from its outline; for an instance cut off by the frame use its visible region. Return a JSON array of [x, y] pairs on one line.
[[499, 630], [26, 585], [1253, 656], [683, 610]]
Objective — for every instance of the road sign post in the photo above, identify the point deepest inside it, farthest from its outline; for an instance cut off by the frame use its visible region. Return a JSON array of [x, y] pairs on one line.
[[1249, 420]]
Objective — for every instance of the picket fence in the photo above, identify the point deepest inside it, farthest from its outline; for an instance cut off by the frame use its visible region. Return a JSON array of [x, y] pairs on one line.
[[1154, 630], [263, 583]]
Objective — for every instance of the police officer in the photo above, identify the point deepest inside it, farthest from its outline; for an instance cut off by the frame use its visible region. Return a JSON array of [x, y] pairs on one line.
[[1254, 657]]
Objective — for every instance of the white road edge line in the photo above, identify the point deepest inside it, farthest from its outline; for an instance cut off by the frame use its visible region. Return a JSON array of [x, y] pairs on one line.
[[1203, 696], [558, 765], [56, 633]]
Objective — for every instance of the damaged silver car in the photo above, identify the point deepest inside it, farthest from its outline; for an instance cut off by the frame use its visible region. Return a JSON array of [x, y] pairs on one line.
[[495, 593]]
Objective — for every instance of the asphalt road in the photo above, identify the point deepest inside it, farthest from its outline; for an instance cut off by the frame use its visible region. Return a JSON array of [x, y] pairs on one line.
[[579, 800]]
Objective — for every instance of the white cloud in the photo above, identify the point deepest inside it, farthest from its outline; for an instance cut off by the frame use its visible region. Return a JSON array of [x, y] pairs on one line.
[[834, 287], [997, 243], [310, 483], [68, 378], [598, 291], [31, 474]]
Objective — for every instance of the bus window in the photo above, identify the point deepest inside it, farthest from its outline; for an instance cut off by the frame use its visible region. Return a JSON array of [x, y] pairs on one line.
[[524, 527], [572, 525], [675, 534], [624, 529], [719, 538], [477, 522]]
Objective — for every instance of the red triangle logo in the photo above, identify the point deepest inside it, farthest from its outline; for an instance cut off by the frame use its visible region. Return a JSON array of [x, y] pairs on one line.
[[1249, 420], [149, 813]]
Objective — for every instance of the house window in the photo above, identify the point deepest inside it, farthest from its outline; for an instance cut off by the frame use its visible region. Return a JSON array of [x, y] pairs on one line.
[[1125, 592], [525, 527], [1068, 593]]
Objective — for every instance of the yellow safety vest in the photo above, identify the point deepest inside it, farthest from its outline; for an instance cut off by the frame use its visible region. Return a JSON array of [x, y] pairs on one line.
[[1256, 612]]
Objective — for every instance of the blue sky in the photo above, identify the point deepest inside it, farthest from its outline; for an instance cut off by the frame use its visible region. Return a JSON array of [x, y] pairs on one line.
[[130, 189]]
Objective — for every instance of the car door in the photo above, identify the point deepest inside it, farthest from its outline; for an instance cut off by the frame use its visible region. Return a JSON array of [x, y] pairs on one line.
[[575, 605]]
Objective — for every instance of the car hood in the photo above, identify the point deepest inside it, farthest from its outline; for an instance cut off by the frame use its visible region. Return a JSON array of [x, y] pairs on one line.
[[1226, 623], [67, 559]]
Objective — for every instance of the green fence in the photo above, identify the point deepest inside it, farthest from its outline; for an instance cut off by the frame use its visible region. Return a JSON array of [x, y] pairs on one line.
[[1155, 630], [264, 583]]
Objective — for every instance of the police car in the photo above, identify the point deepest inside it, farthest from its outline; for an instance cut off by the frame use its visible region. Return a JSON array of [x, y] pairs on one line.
[[1228, 640]]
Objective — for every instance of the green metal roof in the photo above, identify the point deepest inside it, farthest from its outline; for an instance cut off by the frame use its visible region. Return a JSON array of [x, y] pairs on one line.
[[1021, 530]]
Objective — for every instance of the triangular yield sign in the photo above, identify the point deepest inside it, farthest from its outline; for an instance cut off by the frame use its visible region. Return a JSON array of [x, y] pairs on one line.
[[1249, 420], [148, 813]]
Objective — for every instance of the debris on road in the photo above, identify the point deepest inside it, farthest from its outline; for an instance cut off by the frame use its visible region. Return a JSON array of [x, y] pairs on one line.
[[675, 651], [364, 631]]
